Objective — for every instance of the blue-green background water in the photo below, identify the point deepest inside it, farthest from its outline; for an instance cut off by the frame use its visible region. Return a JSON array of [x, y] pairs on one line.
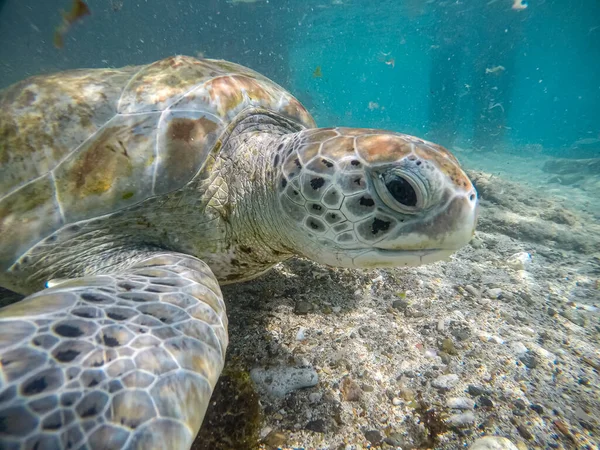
[[549, 89]]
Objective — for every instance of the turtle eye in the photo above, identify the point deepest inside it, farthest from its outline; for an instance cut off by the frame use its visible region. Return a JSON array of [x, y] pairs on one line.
[[402, 191]]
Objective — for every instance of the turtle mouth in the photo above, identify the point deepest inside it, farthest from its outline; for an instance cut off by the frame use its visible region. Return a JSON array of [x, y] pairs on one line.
[[383, 257]]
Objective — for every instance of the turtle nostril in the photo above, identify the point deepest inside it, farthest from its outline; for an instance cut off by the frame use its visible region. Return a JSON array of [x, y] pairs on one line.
[[472, 196]]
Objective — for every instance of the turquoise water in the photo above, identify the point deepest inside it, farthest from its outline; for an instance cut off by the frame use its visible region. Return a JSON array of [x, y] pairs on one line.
[[542, 88]]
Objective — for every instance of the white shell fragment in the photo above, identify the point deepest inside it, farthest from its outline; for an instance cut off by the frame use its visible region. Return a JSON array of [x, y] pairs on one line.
[[280, 381]]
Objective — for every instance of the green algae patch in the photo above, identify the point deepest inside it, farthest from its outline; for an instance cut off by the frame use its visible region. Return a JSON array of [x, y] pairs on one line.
[[234, 416]]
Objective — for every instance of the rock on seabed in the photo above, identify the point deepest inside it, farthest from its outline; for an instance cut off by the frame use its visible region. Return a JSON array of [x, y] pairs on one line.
[[493, 443]]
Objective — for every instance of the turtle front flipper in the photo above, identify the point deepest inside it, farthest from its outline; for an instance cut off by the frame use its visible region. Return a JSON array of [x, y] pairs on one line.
[[113, 361]]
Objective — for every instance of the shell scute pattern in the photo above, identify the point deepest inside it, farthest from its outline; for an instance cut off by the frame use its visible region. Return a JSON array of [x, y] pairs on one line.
[[27, 216], [158, 86], [185, 139], [86, 143], [382, 148], [43, 118], [446, 163], [337, 148], [109, 171]]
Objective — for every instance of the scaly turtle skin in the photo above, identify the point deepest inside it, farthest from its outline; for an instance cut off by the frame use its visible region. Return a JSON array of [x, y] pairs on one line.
[[126, 197]]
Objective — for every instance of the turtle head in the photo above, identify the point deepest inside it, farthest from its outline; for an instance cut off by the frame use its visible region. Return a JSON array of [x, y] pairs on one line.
[[372, 198]]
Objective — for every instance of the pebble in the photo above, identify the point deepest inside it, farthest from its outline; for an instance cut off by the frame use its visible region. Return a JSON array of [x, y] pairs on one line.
[[396, 401], [575, 317], [280, 381], [430, 353], [493, 443], [448, 346], [460, 403], [494, 293], [445, 357], [473, 291], [461, 334], [400, 305], [520, 404], [529, 360], [302, 308], [537, 408], [496, 339], [528, 331], [395, 440], [318, 426], [507, 296], [407, 394], [524, 432], [518, 347], [374, 437], [275, 439], [476, 390], [461, 420], [445, 381], [485, 401], [441, 325], [301, 334]]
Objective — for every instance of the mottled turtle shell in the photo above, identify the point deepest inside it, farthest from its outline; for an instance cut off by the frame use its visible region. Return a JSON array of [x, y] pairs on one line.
[[81, 144]]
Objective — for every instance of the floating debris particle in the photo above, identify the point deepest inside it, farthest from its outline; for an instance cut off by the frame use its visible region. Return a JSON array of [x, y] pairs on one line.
[[317, 73], [519, 5], [495, 69], [387, 59], [116, 5], [373, 105], [79, 10]]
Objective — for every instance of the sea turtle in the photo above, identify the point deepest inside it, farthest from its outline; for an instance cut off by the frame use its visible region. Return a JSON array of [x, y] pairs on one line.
[[127, 196]]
